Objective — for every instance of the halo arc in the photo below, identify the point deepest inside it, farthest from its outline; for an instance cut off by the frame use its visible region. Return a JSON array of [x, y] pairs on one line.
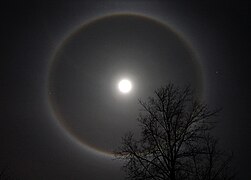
[[52, 106]]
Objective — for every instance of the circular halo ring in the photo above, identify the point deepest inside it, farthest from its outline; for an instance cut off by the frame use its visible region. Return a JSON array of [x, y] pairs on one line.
[[59, 117]]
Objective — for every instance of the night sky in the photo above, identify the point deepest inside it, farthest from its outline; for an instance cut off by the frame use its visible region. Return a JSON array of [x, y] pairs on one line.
[[61, 111]]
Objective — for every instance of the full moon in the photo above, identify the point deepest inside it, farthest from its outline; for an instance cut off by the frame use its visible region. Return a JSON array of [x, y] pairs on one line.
[[125, 86]]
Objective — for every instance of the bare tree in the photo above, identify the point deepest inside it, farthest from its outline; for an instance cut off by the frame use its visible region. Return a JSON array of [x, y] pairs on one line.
[[175, 141]]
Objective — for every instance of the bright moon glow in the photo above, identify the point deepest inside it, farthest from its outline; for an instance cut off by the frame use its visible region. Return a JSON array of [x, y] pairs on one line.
[[125, 86]]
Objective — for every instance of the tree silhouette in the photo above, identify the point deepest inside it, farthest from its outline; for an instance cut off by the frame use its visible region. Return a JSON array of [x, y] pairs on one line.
[[175, 141]]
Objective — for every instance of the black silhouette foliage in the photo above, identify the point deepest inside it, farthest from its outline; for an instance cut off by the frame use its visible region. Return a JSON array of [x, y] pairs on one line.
[[176, 142]]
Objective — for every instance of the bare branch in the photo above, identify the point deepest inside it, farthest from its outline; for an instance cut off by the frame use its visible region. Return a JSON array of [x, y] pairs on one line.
[[175, 140]]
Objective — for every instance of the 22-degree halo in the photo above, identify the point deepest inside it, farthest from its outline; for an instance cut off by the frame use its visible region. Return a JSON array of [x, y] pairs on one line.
[[88, 62]]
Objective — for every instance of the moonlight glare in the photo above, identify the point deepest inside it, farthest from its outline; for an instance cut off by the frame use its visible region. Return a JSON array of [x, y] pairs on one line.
[[125, 86]]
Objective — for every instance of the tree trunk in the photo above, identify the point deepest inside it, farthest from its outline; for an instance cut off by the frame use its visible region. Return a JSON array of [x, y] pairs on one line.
[[172, 175]]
